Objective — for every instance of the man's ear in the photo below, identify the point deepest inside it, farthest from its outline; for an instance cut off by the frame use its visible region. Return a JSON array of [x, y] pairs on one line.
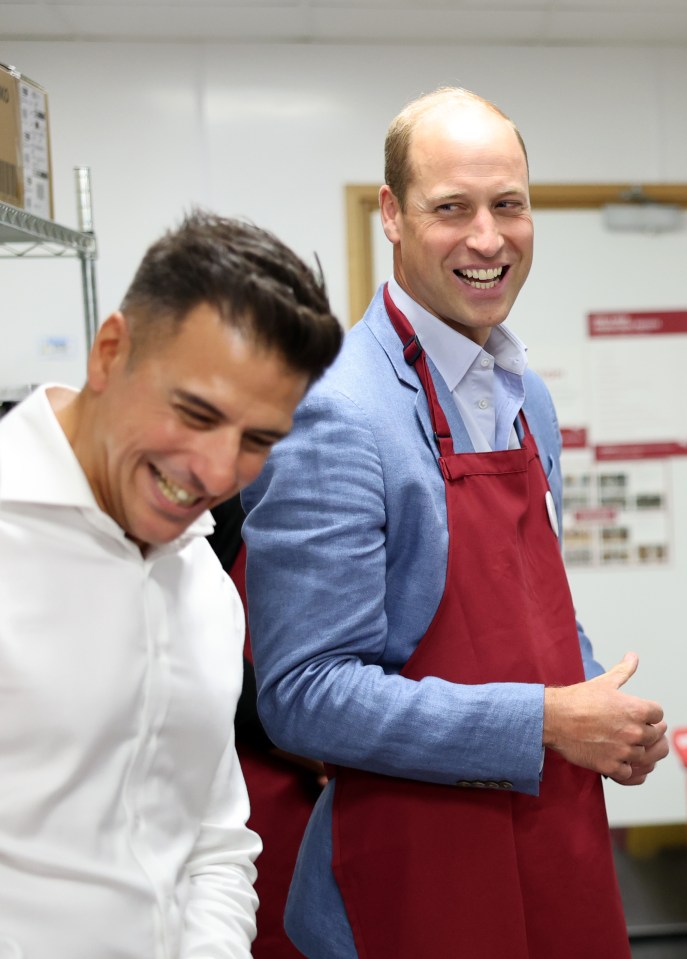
[[390, 210], [110, 351]]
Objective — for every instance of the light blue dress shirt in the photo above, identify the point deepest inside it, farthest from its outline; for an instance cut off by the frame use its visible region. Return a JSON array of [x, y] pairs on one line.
[[486, 383]]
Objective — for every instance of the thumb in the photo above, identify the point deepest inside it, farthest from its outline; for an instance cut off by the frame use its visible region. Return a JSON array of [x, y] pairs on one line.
[[622, 671]]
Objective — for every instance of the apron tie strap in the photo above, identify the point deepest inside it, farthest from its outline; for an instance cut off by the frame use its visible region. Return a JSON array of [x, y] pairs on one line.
[[415, 356]]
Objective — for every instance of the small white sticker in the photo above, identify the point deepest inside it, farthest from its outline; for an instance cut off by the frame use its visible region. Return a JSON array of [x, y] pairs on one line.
[[551, 510]]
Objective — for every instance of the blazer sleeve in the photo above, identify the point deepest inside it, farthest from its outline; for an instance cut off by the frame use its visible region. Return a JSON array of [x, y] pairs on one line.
[[316, 582]]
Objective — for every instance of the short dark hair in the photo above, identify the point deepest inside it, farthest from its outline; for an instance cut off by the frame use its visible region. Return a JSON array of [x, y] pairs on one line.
[[256, 283], [397, 167]]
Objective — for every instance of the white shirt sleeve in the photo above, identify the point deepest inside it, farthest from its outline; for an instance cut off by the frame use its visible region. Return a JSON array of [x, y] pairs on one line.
[[219, 921]]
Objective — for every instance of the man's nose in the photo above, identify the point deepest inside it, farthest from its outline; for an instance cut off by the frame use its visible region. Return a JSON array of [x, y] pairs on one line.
[[485, 235], [215, 462]]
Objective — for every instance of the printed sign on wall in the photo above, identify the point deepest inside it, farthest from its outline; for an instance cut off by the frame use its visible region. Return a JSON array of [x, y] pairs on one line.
[[623, 418]]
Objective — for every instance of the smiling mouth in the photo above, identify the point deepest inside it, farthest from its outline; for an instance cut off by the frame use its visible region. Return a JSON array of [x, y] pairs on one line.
[[482, 279], [172, 492]]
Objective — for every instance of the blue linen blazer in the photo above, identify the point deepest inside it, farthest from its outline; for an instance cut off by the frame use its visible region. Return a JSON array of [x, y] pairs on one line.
[[346, 560]]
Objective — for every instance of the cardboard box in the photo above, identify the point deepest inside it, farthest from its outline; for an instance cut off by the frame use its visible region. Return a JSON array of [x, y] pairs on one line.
[[25, 165], [10, 142]]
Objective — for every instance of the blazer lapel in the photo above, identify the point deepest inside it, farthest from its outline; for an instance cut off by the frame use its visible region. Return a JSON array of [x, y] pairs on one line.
[[380, 326]]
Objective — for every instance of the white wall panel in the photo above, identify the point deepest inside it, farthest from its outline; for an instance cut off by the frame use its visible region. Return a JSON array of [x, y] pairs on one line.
[[273, 132]]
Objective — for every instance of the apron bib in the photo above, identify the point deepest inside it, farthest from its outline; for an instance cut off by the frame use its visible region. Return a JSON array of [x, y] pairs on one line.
[[481, 872]]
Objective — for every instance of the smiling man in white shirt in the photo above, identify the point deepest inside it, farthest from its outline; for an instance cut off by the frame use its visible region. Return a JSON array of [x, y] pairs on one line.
[[123, 807]]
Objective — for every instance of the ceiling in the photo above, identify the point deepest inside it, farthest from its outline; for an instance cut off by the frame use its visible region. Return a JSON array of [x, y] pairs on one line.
[[615, 22]]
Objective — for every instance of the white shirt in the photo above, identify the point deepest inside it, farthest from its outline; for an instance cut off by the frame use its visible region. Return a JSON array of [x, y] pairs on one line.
[[122, 804], [486, 383]]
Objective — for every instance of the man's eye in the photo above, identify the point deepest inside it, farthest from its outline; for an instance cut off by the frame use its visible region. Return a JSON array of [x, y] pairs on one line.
[[195, 417], [257, 444]]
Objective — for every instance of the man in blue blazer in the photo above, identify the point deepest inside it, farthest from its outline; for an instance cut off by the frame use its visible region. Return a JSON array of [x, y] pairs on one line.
[[411, 620]]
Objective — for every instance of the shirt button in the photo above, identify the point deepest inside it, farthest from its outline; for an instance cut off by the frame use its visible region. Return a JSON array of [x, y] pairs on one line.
[[483, 404], [485, 361]]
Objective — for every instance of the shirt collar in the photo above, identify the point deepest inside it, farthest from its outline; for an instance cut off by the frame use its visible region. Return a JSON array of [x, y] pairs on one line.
[[452, 353], [38, 466]]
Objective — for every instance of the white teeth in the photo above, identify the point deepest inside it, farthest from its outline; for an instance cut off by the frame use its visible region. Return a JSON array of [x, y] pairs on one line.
[[174, 493], [482, 274]]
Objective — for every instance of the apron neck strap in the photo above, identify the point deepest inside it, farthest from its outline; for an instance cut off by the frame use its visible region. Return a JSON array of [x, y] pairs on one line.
[[416, 357]]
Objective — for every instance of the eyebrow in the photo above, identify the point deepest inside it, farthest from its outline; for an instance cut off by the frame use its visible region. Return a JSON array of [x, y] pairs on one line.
[[447, 197], [461, 195], [212, 410], [198, 401]]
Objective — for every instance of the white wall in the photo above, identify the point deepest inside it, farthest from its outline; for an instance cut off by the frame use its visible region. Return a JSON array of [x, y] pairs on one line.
[[274, 133]]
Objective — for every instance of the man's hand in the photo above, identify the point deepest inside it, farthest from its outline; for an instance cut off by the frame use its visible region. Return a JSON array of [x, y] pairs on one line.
[[596, 725]]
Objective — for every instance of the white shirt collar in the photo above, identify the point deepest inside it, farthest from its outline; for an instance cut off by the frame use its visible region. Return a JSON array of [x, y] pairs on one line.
[[452, 353]]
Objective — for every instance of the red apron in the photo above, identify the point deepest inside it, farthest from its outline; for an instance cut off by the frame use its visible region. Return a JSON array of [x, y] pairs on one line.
[[429, 870], [282, 796]]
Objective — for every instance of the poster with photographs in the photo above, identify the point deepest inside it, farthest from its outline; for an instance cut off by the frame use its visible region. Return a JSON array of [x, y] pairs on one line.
[[615, 513], [623, 425]]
